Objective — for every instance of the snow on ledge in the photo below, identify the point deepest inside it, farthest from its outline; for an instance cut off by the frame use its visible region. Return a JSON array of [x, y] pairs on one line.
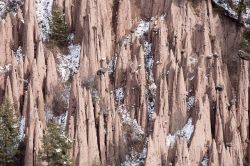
[[19, 54], [43, 15], [205, 161], [9, 6], [142, 27], [119, 95], [226, 6], [136, 130], [149, 60], [22, 128], [135, 159], [232, 13], [3, 6], [69, 63], [185, 133], [6, 68], [190, 102]]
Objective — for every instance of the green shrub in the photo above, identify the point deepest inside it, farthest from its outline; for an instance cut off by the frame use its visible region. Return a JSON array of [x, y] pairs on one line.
[[240, 9], [245, 41], [58, 28], [9, 139], [56, 146]]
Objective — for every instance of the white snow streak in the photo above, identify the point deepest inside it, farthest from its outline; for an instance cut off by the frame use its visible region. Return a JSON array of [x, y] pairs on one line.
[[119, 95], [135, 159], [190, 102], [204, 161], [22, 128], [19, 54], [6, 68], [2, 8], [136, 131], [185, 133], [44, 14], [69, 64], [232, 13], [142, 27], [149, 60]]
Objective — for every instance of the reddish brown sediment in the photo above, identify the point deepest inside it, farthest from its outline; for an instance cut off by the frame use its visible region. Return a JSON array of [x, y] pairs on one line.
[[154, 76]]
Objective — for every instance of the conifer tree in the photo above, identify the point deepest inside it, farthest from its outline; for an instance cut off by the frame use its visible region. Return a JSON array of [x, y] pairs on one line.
[[241, 8], [9, 139], [58, 28], [56, 146]]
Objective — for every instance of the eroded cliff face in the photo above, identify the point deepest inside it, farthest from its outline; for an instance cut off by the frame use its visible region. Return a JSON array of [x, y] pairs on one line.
[[150, 82]]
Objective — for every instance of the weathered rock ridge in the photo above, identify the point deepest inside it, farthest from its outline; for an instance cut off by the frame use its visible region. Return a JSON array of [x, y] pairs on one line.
[[157, 82]]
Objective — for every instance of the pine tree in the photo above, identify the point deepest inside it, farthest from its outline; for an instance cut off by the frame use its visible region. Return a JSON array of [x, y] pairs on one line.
[[55, 146], [9, 139], [241, 8], [58, 28]]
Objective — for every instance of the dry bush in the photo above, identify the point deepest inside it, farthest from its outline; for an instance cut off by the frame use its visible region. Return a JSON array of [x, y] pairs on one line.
[[60, 100]]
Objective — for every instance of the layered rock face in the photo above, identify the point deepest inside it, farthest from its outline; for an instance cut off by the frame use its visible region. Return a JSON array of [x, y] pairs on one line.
[[150, 82]]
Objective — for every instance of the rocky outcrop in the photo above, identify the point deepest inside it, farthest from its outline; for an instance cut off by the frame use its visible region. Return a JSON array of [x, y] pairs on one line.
[[151, 82]]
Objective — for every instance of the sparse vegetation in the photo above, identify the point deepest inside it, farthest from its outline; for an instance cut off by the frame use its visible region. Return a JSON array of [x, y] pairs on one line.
[[60, 103], [195, 3], [245, 41], [89, 83], [96, 163], [240, 9], [95, 95]]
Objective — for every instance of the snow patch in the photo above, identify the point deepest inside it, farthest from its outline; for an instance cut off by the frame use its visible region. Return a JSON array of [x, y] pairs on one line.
[[58, 150], [136, 131], [19, 54], [9, 6], [185, 133], [193, 60], [162, 17], [149, 60], [151, 106], [191, 78], [204, 161], [150, 100], [190, 102], [232, 12], [22, 128], [119, 95], [111, 65], [135, 158], [71, 37], [127, 40], [152, 88], [3, 7], [44, 15], [61, 119], [226, 6], [69, 64], [6, 68], [142, 28], [171, 140]]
